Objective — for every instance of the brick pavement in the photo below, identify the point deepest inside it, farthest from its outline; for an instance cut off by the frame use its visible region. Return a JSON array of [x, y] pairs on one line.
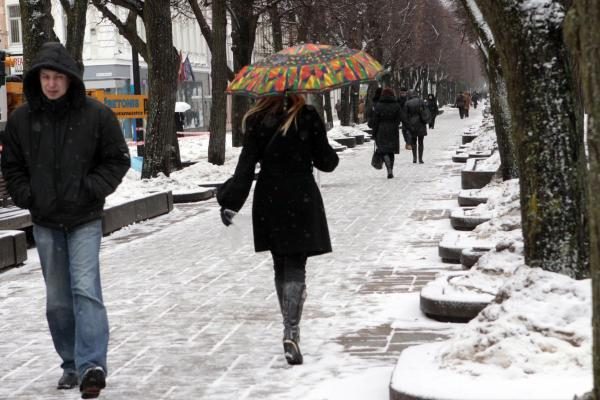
[[193, 317]]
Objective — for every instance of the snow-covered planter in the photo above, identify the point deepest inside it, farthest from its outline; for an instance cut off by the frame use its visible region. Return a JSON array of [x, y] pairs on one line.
[[470, 256], [503, 199], [474, 197], [460, 296], [479, 172], [485, 235], [465, 219], [534, 342]]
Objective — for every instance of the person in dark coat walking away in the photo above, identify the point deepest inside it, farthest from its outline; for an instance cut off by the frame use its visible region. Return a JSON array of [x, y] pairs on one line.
[[459, 103], [288, 215], [475, 99], [385, 122], [417, 117], [402, 96], [63, 154], [179, 121], [433, 109]]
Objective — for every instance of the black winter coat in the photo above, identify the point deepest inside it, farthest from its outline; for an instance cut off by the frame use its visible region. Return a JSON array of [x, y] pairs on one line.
[[288, 215], [417, 116], [433, 106], [385, 122], [61, 158]]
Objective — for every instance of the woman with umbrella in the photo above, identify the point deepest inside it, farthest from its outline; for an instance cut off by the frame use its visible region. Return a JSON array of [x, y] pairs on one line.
[[288, 215], [288, 138]]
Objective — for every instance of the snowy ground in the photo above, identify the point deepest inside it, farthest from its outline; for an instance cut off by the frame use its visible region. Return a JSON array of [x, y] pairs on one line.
[[192, 308]]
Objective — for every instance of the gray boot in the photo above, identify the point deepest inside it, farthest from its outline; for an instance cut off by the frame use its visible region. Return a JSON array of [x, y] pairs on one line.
[[294, 294]]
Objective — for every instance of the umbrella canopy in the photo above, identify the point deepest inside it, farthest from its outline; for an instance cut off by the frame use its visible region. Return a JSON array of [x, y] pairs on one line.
[[182, 106], [307, 68]]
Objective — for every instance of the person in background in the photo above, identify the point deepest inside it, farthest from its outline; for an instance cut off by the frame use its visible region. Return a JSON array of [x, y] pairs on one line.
[[459, 103], [385, 122], [63, 154], [475, 99], [361, 110], [467, 97], [179, 121], [402, 96], [417, 117], [289, 139], [433, 109]]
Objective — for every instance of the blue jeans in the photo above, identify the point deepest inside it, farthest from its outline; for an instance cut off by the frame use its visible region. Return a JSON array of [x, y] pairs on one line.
[[74, 307]]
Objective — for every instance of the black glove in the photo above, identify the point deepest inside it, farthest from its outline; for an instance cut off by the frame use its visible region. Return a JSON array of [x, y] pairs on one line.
[[227, 216]]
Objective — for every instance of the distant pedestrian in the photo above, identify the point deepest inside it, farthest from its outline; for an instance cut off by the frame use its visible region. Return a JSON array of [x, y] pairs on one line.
[[467, 97], [288, 215], [63, 154], [475, 99], [402, 96], [361, 110], [385, 122], [433, 109], [417, 118], [179, 121], [459, 103]]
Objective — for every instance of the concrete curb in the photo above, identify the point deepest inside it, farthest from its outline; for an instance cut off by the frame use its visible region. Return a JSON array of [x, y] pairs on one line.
[[349, 142], [13, 248], [121, 215], [13, 218], [191, 197]]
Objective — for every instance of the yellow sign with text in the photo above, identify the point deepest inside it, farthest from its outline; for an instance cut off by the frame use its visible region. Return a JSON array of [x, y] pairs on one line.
[[123, 105]]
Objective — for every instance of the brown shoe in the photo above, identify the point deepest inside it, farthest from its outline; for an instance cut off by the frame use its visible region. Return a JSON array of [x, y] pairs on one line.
[[408, 147]]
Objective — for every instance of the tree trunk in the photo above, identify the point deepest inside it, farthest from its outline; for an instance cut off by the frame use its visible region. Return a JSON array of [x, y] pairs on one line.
[[328, 111], [498, 93], [162, 80], [549, 139], [37, 26], [218, 113], [243, 34], [345, 103], [76, 17], [276, 30], [583, 37], [354, 100], [502, 121]]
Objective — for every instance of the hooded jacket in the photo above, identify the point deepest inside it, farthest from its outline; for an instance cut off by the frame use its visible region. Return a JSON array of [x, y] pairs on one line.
[[61, 158]]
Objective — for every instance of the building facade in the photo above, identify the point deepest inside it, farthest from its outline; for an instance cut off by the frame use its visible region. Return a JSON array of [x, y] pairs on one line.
[[107, 57]]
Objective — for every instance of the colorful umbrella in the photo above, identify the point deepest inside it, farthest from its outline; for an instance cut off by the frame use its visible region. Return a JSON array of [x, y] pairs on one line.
[[307, 68]]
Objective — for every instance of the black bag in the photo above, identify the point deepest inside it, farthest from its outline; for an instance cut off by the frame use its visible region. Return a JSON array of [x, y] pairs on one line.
[[376, 159]]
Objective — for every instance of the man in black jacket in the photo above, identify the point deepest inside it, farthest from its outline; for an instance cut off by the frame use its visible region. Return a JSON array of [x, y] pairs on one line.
[[63, 154]]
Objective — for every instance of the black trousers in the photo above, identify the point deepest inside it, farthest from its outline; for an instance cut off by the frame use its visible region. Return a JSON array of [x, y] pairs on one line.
[[417, 146], [289, 267]]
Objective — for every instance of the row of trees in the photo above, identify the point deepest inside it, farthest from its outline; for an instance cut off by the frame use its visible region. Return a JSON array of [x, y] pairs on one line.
[[543, 66], [416, 37]]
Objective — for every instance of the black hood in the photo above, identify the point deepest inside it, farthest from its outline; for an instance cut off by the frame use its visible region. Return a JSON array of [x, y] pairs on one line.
[[54, 56]]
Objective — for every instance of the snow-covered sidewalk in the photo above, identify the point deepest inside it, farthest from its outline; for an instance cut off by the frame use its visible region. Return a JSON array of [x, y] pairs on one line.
[[192, 308]]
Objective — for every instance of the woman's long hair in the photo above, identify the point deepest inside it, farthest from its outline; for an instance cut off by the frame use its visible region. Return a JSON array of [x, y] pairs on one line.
[[291, 104]]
